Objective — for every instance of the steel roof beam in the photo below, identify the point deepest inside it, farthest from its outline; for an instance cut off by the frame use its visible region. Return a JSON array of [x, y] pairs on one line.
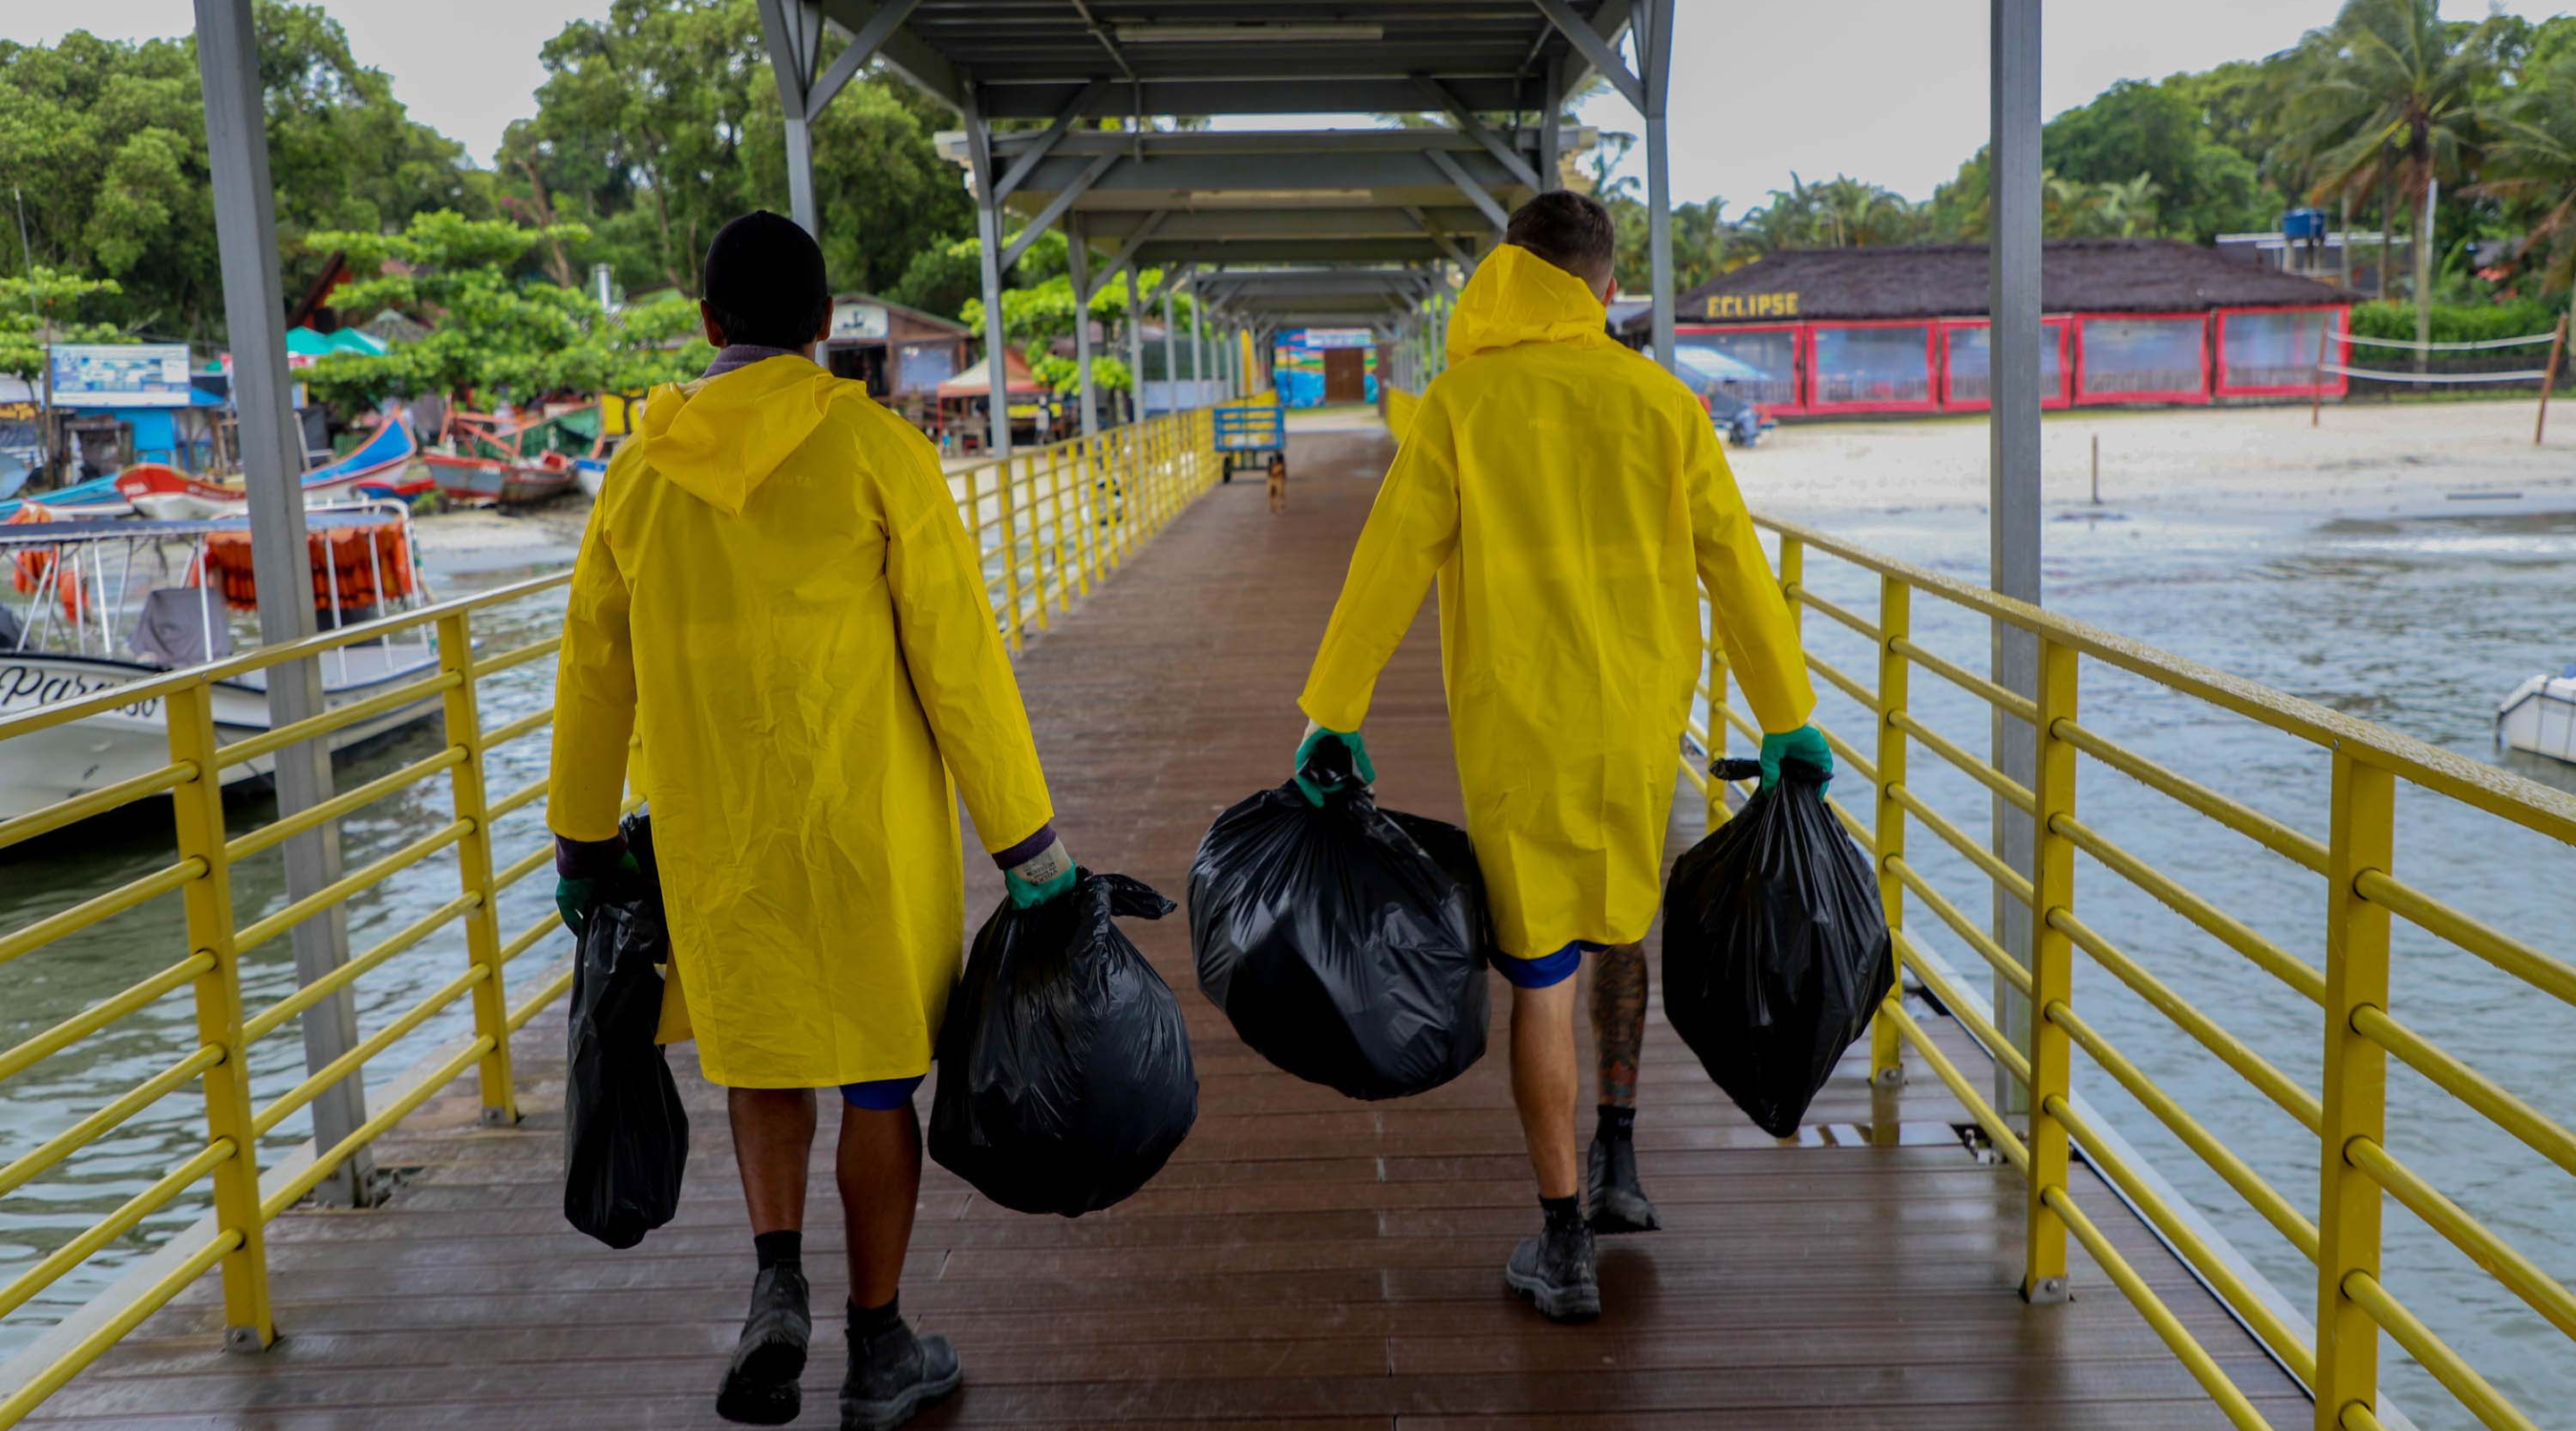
[[1118, 262], [1475, 192], [1038, 94], [1468, 124], [1046, 142], [863, 47], [905, 52], [1056, 208], [1600, 49]]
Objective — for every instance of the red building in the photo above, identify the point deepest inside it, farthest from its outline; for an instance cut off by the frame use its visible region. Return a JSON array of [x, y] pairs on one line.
[[1822, 332]]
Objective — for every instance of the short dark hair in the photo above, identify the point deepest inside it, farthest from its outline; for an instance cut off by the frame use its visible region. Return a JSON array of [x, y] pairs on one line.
[[764, 280], [1571, 230]]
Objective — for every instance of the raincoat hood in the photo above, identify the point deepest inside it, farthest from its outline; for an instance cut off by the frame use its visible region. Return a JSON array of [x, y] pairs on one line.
[[1518, 297], [720, 438]]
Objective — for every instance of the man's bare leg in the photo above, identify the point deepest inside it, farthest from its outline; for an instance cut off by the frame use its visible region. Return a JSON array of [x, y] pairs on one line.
[[879, 1168], [1554, 1269], [1545, 1083], [892, 1370], [1618, 1036], [773, 1142]]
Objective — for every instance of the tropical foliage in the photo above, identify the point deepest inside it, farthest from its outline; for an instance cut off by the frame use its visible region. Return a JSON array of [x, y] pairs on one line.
[[44, 304]]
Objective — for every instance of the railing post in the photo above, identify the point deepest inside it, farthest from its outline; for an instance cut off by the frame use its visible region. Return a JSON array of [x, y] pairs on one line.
[[198, 810], [2052, 973], [1887, 830], [1086, 507], [1717, 813], [1067, 557], [1011, 559], [2356, 1086], [1037, 539], [1793, 583], [464, 725]]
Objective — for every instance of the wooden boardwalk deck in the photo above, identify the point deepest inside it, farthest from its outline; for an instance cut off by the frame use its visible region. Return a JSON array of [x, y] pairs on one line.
[[1305, 1262]]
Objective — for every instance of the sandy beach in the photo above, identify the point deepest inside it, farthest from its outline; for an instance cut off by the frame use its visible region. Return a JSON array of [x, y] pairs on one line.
[[2359, 461]]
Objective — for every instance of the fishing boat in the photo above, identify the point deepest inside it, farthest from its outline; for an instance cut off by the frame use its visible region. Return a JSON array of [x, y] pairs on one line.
[[2540, 716], [94, 498], [496, 481], [380, 467], [92, 605]]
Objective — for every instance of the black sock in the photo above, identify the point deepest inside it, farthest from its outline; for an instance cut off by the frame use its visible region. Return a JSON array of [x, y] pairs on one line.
[[1562, 1213], [779, 1249], [875, 1321], [1616, 1122]]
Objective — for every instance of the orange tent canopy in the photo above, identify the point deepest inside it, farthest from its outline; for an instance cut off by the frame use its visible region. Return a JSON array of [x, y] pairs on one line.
[[977, 381]]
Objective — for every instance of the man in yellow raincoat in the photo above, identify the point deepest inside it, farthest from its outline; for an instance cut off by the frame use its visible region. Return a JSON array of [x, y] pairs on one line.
[[1572, 498], [777, 601]]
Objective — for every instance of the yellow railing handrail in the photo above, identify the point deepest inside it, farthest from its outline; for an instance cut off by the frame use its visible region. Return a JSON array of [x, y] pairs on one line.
[[2344, 1237], [2498, 792], [1068, 514]]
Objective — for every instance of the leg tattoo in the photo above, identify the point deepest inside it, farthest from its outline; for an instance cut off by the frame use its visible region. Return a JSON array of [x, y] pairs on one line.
[[1619, 1019]]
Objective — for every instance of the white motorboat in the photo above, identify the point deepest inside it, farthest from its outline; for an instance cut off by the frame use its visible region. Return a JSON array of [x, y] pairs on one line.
[[111, 603], [2540, 716]]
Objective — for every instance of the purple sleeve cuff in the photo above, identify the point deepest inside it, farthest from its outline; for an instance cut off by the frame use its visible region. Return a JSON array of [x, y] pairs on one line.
[[587, 859], [1018, 854]]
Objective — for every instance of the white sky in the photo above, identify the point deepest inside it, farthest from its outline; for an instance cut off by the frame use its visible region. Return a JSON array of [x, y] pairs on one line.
[[1760, 88]]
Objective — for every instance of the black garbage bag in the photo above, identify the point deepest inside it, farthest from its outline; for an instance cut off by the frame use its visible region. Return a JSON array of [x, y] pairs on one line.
[[1775, 949], [1347, 944], [626, 1137], [1065, 1078]]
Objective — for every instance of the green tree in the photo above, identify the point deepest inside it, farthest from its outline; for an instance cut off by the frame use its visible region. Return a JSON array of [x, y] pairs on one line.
[[493, 333], [35, 303], [2387, 103], [2531, 162], [106, 141], [2138, 129]]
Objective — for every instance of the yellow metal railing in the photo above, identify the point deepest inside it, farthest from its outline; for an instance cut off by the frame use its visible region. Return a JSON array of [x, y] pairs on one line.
[[2341, 1234], [1047, 522]]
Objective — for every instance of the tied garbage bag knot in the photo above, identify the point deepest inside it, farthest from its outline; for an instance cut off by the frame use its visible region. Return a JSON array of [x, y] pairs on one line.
[[1065, 1079], [626, 1137], [1776, 949], [1346, 943]]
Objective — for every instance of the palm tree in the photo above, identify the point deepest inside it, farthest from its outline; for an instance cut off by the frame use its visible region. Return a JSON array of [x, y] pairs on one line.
[[2532, 159], [2388, 102], [2129, 208]]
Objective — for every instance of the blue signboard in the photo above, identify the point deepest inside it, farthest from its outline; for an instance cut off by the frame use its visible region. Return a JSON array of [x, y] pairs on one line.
[[121, 375]]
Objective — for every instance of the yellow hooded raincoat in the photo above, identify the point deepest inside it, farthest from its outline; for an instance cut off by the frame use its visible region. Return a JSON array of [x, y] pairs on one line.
[[776, 594], [1572, 498]]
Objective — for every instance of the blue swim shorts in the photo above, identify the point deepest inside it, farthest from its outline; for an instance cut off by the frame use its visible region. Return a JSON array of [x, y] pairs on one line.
[[883, 1094], [1547, 970]]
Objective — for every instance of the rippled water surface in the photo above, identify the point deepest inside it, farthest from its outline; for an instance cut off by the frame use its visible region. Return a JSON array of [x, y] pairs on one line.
[[2418, 623]]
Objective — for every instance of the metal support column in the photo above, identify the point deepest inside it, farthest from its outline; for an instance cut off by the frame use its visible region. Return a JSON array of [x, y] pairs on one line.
[[794, 31], [1171, 368], [272, 456], [988, 233], [1654, 56], [1551, 130], [1198, 344], [2013, 494], [1077, 253], [1135, 348]]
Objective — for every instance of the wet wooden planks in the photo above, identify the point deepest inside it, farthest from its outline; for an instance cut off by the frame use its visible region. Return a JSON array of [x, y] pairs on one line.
[[1306, 1262]]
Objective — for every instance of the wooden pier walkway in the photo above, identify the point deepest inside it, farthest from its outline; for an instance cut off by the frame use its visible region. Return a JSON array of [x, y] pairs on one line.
[[1305, 1262]]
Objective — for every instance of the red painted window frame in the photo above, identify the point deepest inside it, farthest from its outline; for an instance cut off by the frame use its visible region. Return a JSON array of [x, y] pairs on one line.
[[2063, 325], [2200, 395], [2336, 384], [1932, 374], [1801, 358]]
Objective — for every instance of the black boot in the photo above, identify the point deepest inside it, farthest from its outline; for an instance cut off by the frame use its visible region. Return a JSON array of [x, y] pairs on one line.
[[760, 1383], [1555, 1271], [893, 1374], [1618, 1203]]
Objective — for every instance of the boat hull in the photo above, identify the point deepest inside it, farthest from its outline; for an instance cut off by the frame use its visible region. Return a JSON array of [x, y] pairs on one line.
[[80, 756], [488, 481], [2540, 718]]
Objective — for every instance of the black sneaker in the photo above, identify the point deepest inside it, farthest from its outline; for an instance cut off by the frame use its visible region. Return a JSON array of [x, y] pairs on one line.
[[892, 1375], [1555, 1271], [1618, 1203], [760, 1382]]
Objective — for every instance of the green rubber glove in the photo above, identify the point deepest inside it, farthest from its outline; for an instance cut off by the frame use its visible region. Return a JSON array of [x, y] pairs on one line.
[[1048, 874], [1360, 763], [576, 898], [1806, 743]]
